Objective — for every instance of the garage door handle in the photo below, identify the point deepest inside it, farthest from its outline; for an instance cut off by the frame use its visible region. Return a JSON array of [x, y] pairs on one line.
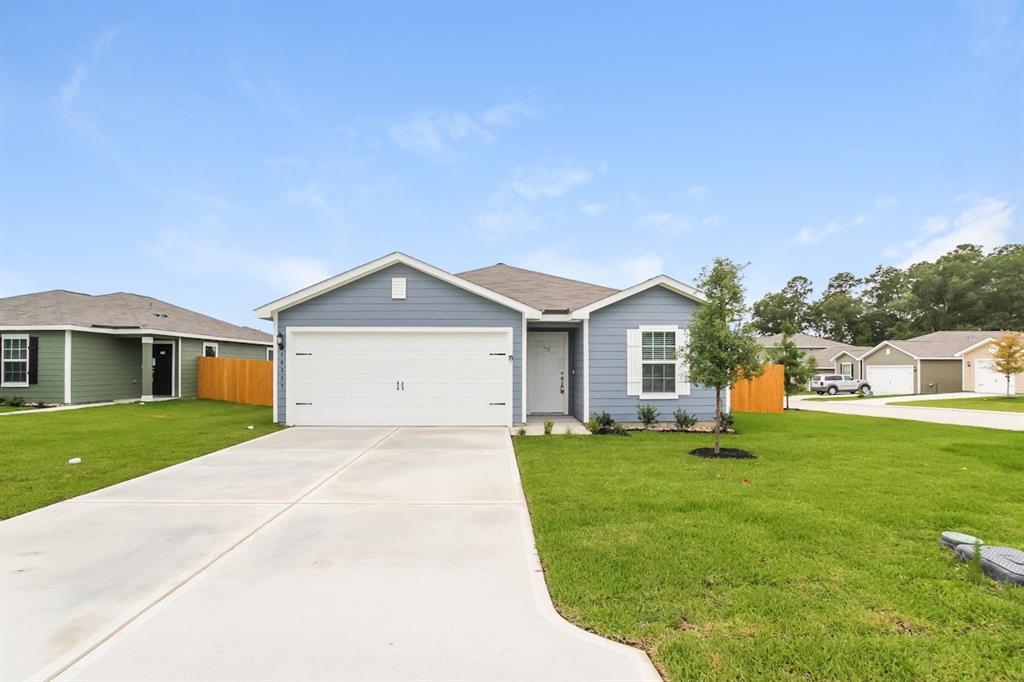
[[403, 385], [396, 387]]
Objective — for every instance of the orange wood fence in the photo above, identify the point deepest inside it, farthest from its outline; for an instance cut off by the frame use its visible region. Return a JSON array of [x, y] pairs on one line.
[[762, 394], [237, 381]]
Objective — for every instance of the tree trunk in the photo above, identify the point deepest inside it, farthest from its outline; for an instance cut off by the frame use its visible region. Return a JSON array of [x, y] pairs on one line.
[[787, 400], [1007, 385], [718, 420]]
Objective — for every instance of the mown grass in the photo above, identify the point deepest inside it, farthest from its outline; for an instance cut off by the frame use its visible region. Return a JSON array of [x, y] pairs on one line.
[[996, 403], [819, 560], [115, 443]]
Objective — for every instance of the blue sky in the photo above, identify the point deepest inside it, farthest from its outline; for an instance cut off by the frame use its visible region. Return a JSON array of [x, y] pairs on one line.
[[219, 156]]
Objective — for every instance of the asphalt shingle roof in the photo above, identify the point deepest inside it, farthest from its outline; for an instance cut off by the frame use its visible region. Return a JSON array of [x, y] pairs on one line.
[[119, 310], [542, 291]]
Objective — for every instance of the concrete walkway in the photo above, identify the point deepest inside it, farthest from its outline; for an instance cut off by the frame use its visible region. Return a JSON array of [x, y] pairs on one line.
[[341, 554], [890, 407]]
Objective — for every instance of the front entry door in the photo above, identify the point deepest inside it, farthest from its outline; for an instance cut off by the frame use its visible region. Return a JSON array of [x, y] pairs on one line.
[[163, 369], [547, 388]]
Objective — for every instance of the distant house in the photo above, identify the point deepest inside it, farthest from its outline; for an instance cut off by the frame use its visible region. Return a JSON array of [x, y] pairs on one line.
[[821, 349], [938, 362], [66, 347]]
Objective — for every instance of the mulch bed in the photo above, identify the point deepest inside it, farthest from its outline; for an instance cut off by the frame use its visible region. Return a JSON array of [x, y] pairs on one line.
[[724, 453]]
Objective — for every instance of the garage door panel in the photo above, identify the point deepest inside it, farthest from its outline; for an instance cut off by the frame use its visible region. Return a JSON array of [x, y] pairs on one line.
[[988, 380], [390, 377], [891, 379]]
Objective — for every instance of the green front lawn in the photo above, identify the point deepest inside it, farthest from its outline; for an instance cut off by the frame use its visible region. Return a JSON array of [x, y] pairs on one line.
[[819, 560], [115, 443], [17, 408], [997, 403]]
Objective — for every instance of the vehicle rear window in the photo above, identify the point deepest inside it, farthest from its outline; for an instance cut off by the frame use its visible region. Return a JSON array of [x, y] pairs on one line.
[[833, 377], [817, 377]]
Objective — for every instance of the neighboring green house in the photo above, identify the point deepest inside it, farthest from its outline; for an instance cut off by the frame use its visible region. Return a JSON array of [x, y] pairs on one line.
[[66, 347]]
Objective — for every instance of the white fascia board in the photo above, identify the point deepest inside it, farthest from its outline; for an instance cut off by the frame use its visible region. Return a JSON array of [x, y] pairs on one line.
[[265, 312], [132, 331], [846, 352], [665, 281], [975, 346], [883, 345]]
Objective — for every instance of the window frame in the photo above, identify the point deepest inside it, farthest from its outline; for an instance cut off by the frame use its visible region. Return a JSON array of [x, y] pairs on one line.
[[214, 345], [5, 361], [661, 395], [843, 366], [270, 353]]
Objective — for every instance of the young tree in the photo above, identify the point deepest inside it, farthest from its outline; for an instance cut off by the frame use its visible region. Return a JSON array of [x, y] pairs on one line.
[[722, 348], [797, 366], [1009, 357]]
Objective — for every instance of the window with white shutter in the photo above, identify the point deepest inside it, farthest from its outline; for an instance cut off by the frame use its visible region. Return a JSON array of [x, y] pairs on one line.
[[655, 366]]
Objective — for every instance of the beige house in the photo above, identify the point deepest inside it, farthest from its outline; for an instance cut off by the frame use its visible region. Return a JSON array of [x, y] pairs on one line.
[[979, 374]]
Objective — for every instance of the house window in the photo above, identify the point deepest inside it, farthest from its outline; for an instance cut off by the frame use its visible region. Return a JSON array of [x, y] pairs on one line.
[[209, 349], [846, 368], [270, 354], [658, 358], [15, 361]]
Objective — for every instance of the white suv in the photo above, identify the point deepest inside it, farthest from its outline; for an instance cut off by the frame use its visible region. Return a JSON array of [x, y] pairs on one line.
[[836, 383]]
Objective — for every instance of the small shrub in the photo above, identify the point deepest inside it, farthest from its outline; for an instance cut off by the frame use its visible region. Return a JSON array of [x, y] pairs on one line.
[[521, 431], [603, 424], [646, 415], [726, 421], [39, 405], [548, 426], [619, 430], [684, 420], [15, 401], [3, 400]]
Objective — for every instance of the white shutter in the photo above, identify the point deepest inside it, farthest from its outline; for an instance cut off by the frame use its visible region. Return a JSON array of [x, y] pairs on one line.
[[682, 369], [633, 357]]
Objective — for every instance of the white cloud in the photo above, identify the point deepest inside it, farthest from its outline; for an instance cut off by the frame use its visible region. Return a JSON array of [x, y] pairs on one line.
[[697, 192], [198, 249], [618, 272], [308, 196], [543, 181], [664, 221], [810, 235], [503, 220], [438, 135], [988, 223], [883, 203], [593, 209]]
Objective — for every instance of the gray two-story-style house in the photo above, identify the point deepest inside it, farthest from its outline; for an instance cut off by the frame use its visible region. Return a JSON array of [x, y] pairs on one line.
[[400, 342], [66, 347]]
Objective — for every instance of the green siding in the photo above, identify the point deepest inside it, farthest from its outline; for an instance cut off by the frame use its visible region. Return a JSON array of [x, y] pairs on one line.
[[105, 367], [895, 357], [941, 376], [192, 349], [50, 386]]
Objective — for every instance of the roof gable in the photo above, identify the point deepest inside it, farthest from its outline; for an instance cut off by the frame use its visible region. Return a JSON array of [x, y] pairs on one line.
[[664, 281], [267, 311], [540, 290]]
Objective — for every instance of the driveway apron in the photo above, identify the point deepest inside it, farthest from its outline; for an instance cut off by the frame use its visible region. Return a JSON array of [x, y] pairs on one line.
[[334, 554]]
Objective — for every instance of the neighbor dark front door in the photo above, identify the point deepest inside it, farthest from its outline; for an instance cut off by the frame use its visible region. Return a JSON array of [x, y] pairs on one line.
[[163, 369]]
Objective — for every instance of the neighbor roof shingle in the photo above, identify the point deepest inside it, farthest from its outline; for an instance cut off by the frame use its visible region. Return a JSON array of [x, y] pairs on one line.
[[542, 291], [119, 310]]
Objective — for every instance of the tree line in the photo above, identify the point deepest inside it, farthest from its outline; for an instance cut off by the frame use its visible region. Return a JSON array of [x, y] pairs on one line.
[[964, 289]]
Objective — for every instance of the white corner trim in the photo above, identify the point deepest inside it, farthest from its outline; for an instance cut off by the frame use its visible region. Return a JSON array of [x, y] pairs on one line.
[[586, 370], [67, 366], [277, 356], [728, 399], [178, 363], [522, 367], [147, 339], [266, 311], [660, 281]]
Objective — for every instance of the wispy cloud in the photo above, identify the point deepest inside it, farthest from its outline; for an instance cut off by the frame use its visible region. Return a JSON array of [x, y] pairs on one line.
[[547, 181], [593, 209], [308, 195], [697, 192], [882, 203], [665, 222], [810, 235], [70, 92], [615, 272], [814, 235], [988, 223], [438, 134], [500, 220]]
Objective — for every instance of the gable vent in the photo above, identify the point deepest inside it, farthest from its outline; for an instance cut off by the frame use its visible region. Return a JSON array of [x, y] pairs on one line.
[[398, 287]]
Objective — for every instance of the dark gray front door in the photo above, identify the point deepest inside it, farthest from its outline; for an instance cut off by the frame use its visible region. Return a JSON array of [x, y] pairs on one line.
[[163, 369]]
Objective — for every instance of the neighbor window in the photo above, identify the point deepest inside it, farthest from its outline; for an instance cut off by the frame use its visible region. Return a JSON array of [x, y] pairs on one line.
[[846, 368], [270, 354], [209, 350], [658, 357], [15, 361]]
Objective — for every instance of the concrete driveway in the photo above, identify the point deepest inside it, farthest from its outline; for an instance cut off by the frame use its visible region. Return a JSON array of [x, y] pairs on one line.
[[332, 554], [890, 407]]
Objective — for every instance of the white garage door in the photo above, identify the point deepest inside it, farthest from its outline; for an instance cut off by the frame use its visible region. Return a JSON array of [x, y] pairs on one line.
[[414, 377], [891, 379], [987, 380]]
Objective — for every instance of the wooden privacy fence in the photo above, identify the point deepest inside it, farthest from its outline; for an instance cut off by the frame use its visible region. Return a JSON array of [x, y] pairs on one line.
[[237, 381], [761, 394]]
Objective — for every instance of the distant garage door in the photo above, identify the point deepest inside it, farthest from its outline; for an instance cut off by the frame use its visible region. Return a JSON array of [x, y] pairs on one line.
[[891, 379], [987, 380], [407, 377]]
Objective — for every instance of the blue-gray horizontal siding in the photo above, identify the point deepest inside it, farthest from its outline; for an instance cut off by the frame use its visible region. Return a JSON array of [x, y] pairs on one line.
[[429, 302], [607, 337]]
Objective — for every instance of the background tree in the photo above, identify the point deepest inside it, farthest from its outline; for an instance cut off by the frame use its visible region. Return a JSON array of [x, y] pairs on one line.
[[722, 347], [1001, 300], [789, 307], [945, 294], [839, 313], [886, 313], [1008, 357], [797, 366]]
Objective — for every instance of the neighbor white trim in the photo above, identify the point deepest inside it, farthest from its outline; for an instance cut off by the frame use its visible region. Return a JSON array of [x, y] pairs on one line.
[[522, 367], [882, 345], [180, 344], [660, 281], [266, 311], [277, 356], [28, 361], [586, 371], [67, 366], [976, 346], [124, 331], [846, 352]]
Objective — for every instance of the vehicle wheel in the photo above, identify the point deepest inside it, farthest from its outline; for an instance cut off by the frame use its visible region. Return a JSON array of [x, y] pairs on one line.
[[820, 392], [865, 389], [832, 390]]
